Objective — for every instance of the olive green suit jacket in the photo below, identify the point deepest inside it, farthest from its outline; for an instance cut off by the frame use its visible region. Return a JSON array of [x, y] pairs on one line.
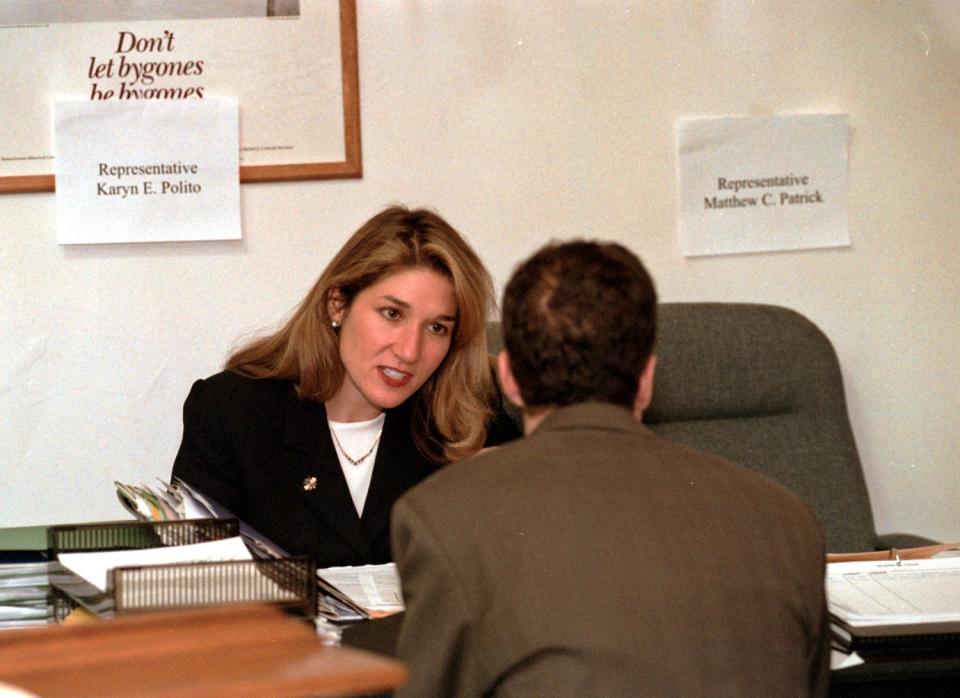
[[595, 558]]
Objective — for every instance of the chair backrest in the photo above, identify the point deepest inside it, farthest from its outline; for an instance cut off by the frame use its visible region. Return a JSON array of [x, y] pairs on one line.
[[760, 385]]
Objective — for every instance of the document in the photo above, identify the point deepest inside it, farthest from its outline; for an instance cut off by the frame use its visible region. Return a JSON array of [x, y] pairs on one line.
[[759, 184], [95, 567], [135, 171], [373, 587]]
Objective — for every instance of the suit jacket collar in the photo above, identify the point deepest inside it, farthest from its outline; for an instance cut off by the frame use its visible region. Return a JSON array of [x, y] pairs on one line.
[[306, 430], [397, 467], [591, 415]]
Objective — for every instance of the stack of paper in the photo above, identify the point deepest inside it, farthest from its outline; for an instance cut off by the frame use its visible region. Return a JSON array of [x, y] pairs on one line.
[[25, 594], [24, 577]]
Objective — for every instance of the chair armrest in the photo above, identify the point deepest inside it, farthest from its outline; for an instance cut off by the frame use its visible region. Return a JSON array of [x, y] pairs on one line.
[[902, 540]]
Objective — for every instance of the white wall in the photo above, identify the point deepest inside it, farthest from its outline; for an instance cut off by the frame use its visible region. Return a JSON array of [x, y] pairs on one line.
[[520, 122]]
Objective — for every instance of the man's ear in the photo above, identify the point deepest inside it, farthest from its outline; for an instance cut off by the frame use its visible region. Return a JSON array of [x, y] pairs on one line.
[[508, 384], [645, 387], [336, 305]]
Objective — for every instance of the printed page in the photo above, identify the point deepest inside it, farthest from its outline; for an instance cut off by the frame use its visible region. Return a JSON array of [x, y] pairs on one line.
[[374, 587], [95, 567], [914, 591]]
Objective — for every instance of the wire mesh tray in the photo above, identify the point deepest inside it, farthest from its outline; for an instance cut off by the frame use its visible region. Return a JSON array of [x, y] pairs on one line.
[[288, 582]]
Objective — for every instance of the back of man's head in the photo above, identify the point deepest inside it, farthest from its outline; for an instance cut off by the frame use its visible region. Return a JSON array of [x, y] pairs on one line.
[[579, 322]]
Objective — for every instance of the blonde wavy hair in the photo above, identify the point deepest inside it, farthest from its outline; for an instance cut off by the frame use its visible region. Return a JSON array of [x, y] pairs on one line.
[[451, 411]]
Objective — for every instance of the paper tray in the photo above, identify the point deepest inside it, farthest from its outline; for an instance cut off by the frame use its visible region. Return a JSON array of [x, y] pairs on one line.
[[288, 582]]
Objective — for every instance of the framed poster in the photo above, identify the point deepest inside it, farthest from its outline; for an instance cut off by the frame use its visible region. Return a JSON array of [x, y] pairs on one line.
[[292, 64]]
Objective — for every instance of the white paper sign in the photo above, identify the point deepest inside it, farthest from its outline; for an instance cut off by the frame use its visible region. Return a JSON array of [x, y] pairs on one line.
[[134, 171], [762, 184]]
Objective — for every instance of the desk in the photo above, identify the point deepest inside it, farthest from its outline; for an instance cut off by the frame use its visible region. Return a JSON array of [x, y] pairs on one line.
[[930, 677], [237, 650], [927, 676]]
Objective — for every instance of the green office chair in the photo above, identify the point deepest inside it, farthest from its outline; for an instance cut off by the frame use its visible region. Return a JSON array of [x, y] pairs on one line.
[[760, 385]]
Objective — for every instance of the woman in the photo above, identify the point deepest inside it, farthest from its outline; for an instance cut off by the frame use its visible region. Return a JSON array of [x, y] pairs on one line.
[[380, 376]]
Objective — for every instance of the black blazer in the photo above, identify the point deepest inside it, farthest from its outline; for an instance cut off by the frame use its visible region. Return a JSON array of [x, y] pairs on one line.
[[253, 444]]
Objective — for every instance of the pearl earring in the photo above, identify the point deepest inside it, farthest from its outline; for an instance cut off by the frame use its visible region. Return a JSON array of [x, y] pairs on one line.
[[334, 324]]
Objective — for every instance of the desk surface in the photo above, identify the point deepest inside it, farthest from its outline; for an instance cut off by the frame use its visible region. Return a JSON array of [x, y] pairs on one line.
[[926, 675], [249, 650], [919, 675]]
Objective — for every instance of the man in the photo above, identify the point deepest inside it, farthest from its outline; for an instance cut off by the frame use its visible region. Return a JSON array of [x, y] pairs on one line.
[[592, 557]]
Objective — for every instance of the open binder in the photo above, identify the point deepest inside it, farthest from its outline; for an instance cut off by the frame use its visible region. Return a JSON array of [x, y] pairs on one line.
[[895, 606], [288, 582]]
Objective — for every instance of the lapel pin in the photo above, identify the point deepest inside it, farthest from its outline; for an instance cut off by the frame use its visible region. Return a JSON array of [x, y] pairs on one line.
[[309, 483]]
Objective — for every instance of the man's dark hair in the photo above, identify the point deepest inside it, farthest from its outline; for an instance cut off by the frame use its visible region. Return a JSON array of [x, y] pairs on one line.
[[579, 322]]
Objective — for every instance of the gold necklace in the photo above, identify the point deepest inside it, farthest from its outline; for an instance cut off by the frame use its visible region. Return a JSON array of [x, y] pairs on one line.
[[355, 461]]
